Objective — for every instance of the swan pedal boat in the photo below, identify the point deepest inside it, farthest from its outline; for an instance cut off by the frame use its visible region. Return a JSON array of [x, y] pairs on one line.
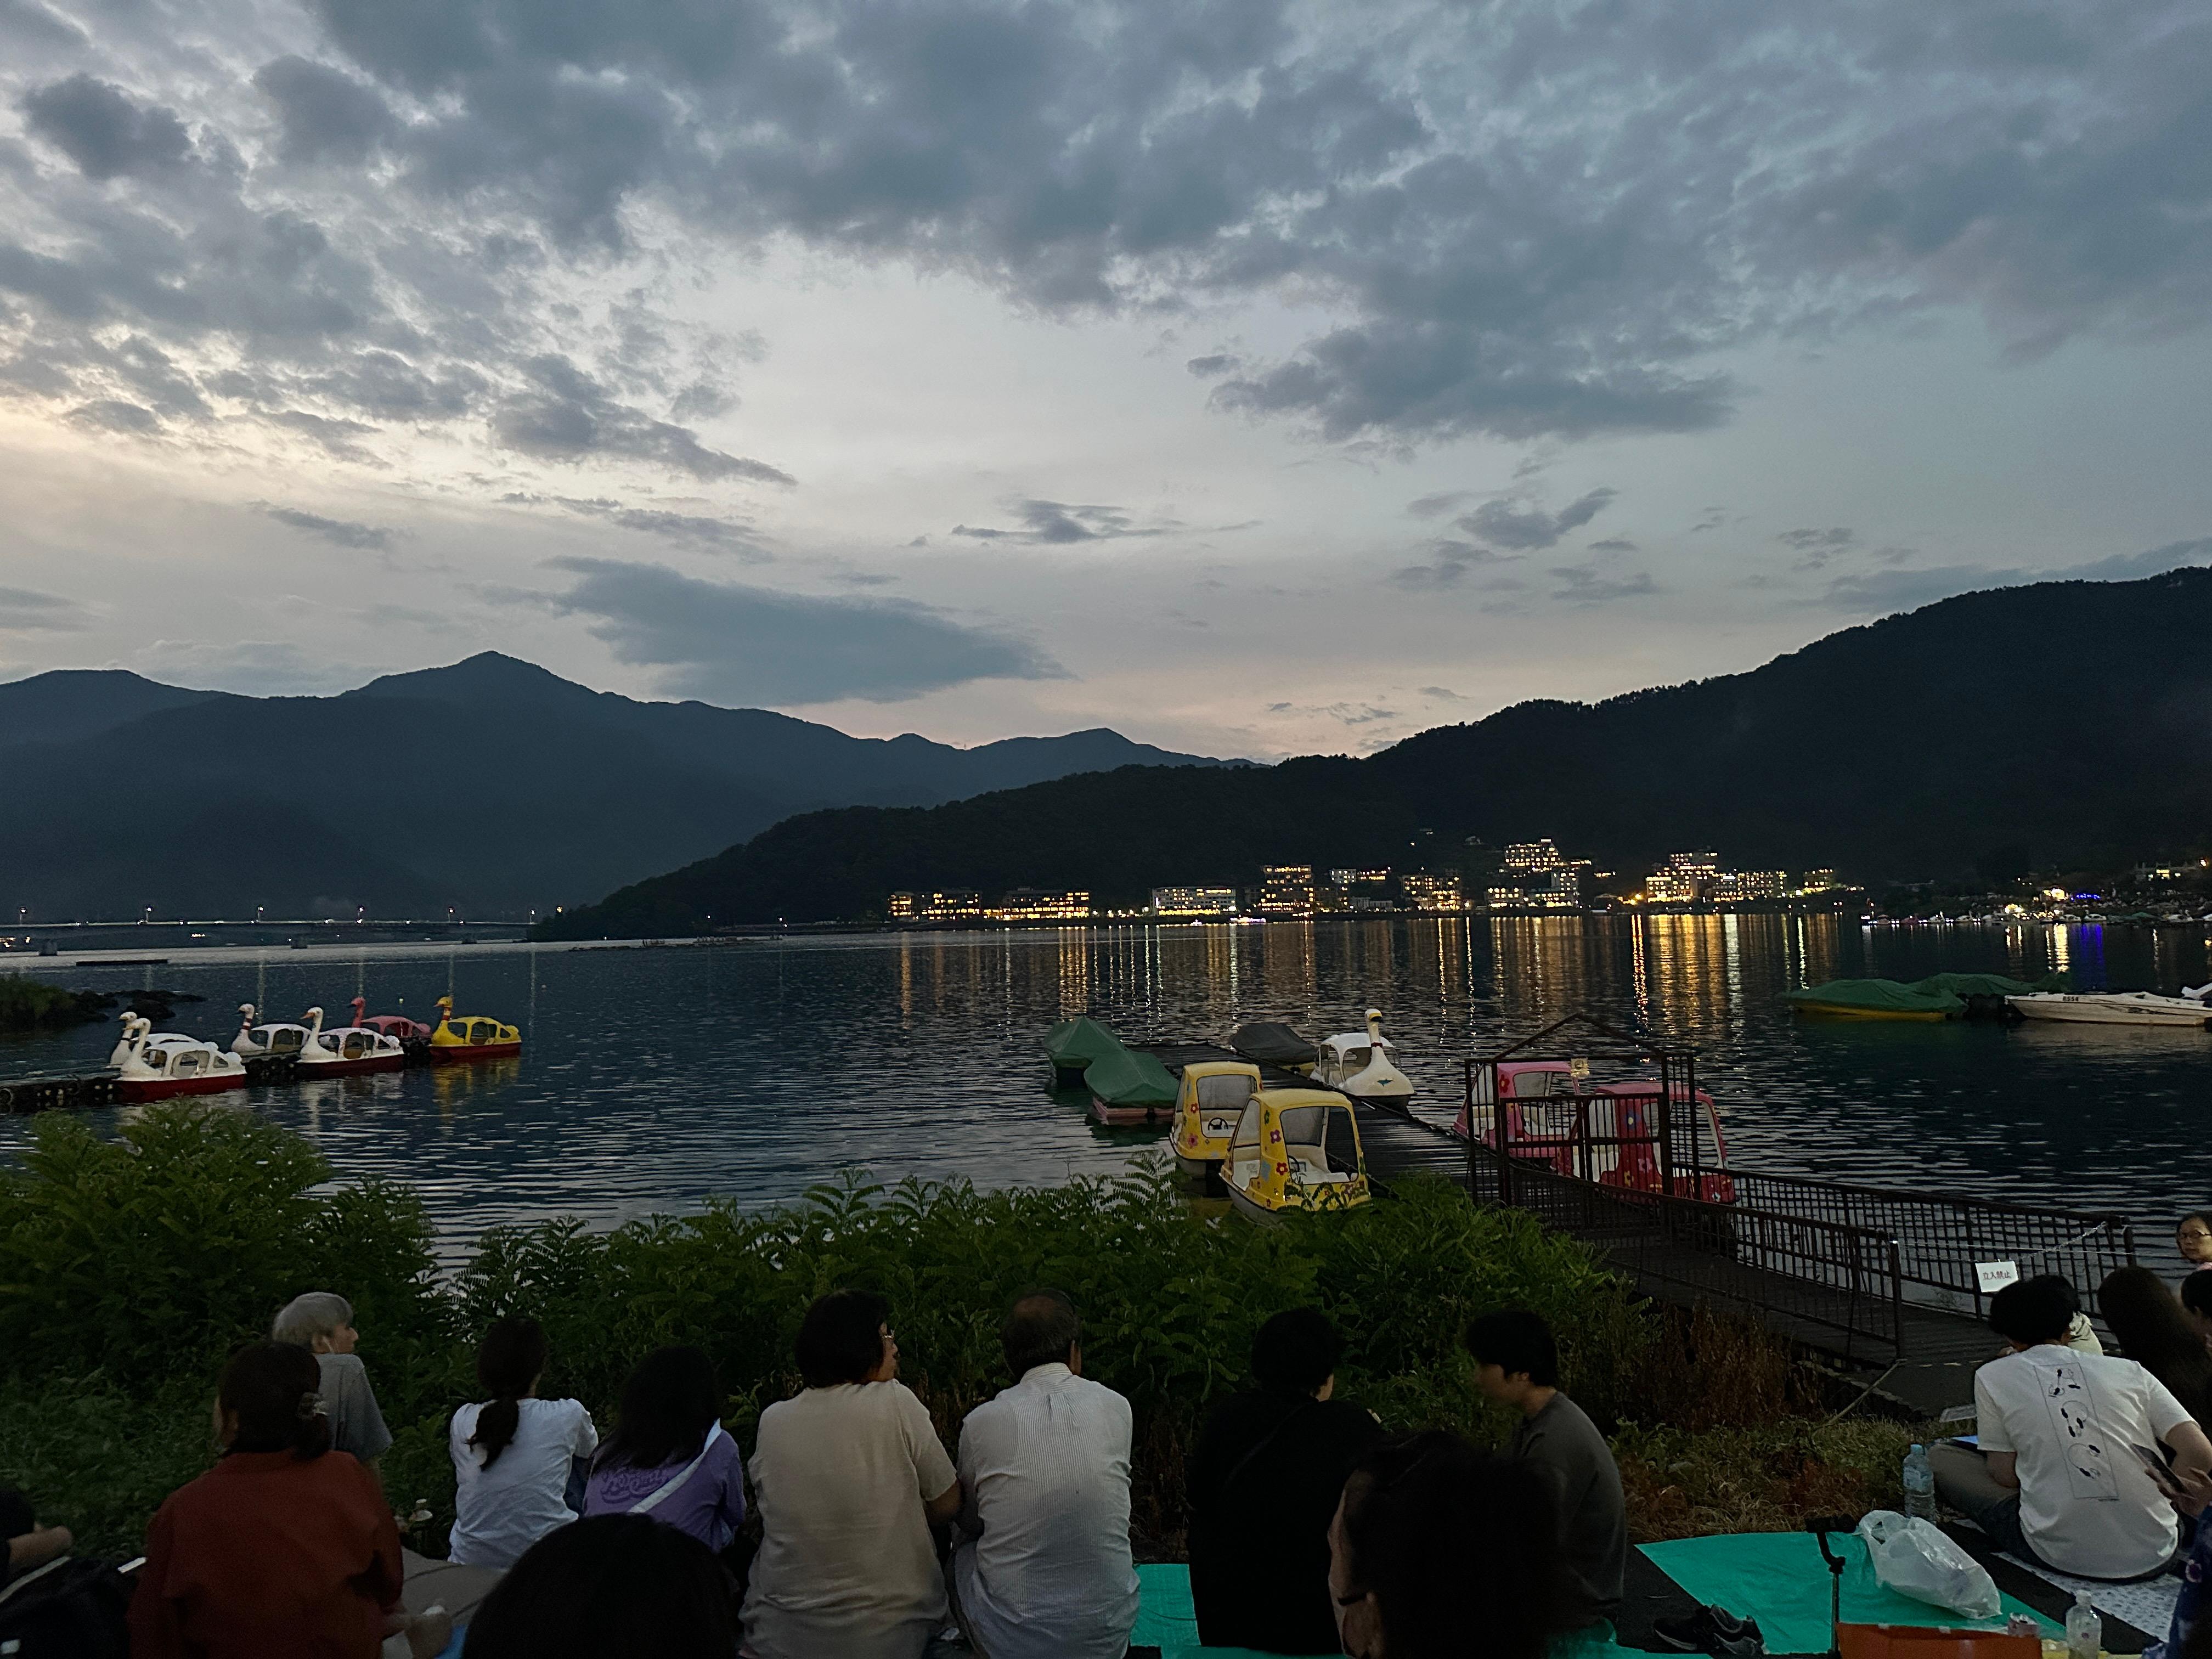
[[256, 1041], [2193, 1007], [152, 1065], [1296, 1151], [459, 1041], [346, 1050], [1358, 1063]]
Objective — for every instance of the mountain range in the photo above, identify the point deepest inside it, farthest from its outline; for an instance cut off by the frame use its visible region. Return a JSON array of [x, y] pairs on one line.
[[491, 785], [2060, 724]]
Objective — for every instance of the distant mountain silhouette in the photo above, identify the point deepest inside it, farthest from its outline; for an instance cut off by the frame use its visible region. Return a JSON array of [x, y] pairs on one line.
[[491, 785], [2064, 723]]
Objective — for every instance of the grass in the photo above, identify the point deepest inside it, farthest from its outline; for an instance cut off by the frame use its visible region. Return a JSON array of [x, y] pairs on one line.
[[128, 1268]]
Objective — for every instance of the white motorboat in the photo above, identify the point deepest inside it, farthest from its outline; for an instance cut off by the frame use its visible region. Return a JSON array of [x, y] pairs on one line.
[[1358, 1063], [347, 1049], [153, 1064], [273, 1038], [2193, 1007]]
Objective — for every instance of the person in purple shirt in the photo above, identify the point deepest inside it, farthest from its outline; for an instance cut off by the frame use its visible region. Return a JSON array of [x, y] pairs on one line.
[[669, 1456]]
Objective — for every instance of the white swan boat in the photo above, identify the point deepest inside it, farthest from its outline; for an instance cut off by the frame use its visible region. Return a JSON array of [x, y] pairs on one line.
[[347, 1049], [1358, 1063], [154, 1064], [275, 1037], [2193, 1007]]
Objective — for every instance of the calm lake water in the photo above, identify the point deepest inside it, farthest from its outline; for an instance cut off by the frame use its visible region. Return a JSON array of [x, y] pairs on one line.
[[653, 1079]]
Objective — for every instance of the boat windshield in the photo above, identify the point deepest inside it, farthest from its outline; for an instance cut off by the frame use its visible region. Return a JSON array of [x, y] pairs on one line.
[[1224, 1093]]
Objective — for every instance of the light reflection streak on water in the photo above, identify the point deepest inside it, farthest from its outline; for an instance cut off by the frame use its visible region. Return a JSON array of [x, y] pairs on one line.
[[653, 1080]]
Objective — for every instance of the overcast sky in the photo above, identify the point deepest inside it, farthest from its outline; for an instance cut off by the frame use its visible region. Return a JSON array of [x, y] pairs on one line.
[[1253, 378]]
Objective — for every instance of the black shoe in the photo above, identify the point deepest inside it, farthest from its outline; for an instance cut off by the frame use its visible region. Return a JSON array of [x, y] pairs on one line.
[[1712, 1629]]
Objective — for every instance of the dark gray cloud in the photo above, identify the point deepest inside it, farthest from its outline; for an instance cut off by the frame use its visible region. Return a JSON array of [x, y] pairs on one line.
[[324, 114], [568, 415], [1818, 546], [1882, 593], [728, 643], [26, 609], [113, 415], [1523, 219], [1059, 523], [1434, 506], [1448, 564], [1524, 528], [1589, 583], [1613, 544], [695, 529], [340, 533], [103, 130]]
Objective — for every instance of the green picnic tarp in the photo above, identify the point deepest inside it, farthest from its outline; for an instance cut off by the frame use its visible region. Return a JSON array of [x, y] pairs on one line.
[[1986, 985], [1074, 1044], [1876, 996], [1126, 1077], [1779, 1579]]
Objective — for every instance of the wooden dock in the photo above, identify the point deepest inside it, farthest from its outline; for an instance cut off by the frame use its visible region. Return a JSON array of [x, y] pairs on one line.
[[85, 1091]]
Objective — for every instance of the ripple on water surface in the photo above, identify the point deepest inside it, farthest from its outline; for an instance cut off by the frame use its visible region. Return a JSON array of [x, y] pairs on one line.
[[655, 1080]]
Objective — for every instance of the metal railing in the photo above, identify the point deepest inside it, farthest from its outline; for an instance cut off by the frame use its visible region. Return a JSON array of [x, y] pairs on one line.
[[1830, 1283]]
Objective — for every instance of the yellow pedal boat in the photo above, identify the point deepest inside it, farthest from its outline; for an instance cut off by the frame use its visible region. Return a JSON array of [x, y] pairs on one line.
[[470, 1037], [1210, 1100], [1296, 1151]]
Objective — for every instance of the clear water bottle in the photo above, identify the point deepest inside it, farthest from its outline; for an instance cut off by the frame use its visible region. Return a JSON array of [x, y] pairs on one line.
[[2085, 1631], [1919, 1484]]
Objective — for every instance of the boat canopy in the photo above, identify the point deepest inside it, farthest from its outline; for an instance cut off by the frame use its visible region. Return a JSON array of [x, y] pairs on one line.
[[1877, 995], [1273, 1043], [1126, 1078], [1074, 1044], [1986, 985]]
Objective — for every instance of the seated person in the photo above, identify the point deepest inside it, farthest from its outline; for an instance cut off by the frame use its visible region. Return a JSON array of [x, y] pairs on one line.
[[1263, 1485], [514, 1454], [1518, 1364], [1045, 1468], [2147, 1320], [29, 1544], [1438, 1551], [2193, 1240], [2196, 1306], [323, 1323], [847, 1474], [285, 1549], [609, 1587], [669, 1455], [2058, 1479]]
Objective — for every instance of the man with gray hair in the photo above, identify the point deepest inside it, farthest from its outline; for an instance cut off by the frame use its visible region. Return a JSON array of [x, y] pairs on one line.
[[1046, 1465], [323, 1323]]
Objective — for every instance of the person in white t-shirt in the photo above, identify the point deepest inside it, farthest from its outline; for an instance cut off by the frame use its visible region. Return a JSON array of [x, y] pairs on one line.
[[2067, 1440], [848, 1475], [516, 1456], [1046, 1466]]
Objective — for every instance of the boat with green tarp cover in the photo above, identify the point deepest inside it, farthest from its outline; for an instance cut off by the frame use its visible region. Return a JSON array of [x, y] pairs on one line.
[[1987, 985], [1127, 1086], [1875, 999], [1072, 1044]]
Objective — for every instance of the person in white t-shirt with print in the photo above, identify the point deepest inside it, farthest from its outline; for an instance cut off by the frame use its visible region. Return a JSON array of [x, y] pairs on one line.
[[516, 1456], [2063, 1476]]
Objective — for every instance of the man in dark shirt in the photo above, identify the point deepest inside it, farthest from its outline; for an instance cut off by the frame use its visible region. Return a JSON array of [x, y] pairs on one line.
[[1263, 1485], [1518, 1364]]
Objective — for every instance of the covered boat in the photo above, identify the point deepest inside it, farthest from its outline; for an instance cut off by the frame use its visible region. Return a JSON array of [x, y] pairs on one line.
[[1875, 999], [1130, 1086], [1072, 1044], [1293, 1151], [1208, 1103], [1359, 1062], [1271, 1043], [2119, 1008], [462, 1038], [154, 1064], [348, 1049], [256, 1038]]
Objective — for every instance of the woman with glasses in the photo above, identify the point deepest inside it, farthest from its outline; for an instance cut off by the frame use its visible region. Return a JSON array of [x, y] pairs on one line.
[[2192, 1237], [848, 1476]]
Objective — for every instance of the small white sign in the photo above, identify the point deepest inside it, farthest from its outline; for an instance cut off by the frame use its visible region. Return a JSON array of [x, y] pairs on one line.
[[1996, 1275], [1578, 1068]]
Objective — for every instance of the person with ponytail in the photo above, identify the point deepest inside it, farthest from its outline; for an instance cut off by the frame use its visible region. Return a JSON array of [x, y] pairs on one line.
[[514, 1455], [285, 1549]]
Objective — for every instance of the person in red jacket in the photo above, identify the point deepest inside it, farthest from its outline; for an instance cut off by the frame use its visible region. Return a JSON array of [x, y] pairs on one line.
[[285, 1549]]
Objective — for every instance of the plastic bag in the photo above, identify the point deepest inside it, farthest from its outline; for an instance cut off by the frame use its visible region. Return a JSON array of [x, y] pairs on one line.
[[1914, 1557]]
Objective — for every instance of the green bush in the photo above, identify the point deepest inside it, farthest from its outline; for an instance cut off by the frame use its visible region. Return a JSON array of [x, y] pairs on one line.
[[128, 1269]]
